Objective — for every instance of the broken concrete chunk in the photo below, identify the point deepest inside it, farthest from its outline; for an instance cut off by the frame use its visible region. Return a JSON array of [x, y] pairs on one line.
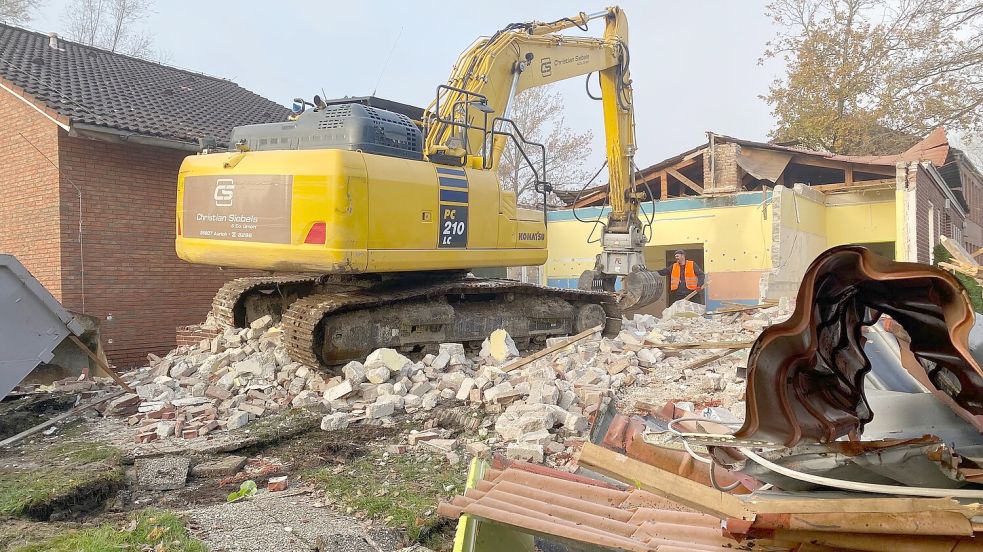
[[499, 347], [381, 408], [684, 309], [339, 391], [464, 391], [526, 452], [162, 473], [237, 419], [441, 361], [261, 323], [354, 372], [451, 349], [306, 398], [389, 358], [334, 422], [223, 467], [379, 374], [648, 358]]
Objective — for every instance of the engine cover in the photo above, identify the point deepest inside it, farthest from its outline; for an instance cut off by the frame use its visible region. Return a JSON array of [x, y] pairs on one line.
[[349, 126]]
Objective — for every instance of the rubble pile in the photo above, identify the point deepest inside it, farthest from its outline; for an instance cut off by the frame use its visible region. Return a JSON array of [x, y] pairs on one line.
[[536, 409]]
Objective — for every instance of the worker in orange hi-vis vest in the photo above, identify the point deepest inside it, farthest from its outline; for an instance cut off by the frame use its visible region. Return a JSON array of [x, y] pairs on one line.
[[684, 277]]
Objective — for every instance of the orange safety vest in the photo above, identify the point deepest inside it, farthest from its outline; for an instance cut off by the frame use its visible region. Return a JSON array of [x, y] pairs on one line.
[[692, 282]]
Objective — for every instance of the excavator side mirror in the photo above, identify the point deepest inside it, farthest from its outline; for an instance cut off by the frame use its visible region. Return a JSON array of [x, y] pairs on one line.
[[299, 106]]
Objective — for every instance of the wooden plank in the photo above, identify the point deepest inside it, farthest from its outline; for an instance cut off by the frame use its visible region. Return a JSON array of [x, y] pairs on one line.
[[707, 360], [662, 483], [848, 176], [665, 186], [95, 358], [682, 178], [703, 345], [957, 251], [556, 347], [809, 160], [885, 183], [56, 419]]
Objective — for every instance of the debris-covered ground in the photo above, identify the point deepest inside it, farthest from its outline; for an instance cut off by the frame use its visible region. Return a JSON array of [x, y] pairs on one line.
[[355, 461]]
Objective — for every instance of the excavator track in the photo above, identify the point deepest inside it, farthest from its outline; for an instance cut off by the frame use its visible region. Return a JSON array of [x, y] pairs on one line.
[[228, 306], [416, 316], [331, 319]]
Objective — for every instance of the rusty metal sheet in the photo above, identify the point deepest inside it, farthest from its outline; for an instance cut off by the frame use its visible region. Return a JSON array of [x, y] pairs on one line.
[[806, 375]]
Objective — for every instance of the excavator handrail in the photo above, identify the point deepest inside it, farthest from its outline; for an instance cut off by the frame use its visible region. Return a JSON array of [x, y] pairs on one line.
[[542, 186]]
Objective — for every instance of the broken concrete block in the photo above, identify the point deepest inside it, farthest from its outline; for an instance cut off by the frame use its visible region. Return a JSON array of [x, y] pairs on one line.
[[526, 452], [237, 419], [451, 349], [162, 473], [354, 372], [464, 391], [182, 370], [334, 422], [381, 408], [420, 389], [499, 347], [390, 358], [684, 309], [222, 467], [648, 358], [412, 401], [379, 374], [441, 361], [478, 449], [539, 437], [123, 405], [339, 391], [499, 390], [306, 398], [261, 323]]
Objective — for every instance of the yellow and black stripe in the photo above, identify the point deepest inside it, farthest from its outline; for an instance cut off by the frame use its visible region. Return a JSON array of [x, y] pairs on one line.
[[453, 185]]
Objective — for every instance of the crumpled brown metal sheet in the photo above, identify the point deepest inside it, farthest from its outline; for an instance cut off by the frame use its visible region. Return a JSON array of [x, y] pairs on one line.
[[806, 375]]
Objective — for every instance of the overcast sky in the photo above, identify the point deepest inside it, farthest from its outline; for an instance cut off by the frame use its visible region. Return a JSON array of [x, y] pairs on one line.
[[694, 64]]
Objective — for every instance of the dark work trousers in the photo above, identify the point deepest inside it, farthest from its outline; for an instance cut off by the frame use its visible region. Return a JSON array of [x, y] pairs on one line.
[[677, 294]]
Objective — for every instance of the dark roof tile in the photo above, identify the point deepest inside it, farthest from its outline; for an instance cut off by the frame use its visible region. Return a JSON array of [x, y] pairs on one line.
[[97, 87]]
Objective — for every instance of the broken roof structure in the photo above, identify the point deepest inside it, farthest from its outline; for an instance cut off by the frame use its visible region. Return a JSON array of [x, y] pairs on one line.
[[839, 449]]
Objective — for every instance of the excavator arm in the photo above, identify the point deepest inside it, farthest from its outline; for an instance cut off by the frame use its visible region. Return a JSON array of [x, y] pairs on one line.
[[485, 81]]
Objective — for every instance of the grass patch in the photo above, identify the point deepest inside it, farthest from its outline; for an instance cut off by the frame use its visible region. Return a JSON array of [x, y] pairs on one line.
[[157, 530], [38, 493], [402, 490], [82, 453]]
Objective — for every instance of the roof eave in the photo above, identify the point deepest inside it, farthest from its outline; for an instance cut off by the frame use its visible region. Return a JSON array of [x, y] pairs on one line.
[[35, 104], [106, 134]]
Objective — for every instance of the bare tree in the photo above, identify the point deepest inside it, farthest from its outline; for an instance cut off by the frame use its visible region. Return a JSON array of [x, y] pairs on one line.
[[872, 76], [17, 11], [538, 113], [110, 24]]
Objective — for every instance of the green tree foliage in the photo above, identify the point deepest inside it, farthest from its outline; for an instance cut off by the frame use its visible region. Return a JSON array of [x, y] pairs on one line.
[[972, 286], [869, 77]]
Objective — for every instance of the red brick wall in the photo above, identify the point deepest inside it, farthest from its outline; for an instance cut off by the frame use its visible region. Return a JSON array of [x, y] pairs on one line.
[[29, 190], [927, 192], [134, 282]]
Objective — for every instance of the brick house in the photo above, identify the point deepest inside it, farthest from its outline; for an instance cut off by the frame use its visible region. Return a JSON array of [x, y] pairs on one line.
[[90, 146]]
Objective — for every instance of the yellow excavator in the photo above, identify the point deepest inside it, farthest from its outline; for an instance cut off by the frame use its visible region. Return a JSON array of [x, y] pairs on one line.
[[370, 218]]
